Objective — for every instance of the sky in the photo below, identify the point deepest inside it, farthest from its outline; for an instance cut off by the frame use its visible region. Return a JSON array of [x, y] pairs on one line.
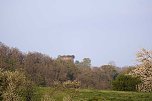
[[102, 30]]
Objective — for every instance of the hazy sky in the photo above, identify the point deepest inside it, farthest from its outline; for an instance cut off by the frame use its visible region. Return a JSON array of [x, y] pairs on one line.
[[103, 30]]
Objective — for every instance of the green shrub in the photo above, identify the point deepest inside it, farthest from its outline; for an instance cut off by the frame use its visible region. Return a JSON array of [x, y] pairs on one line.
[[125, 83], [71, 84], [14, 86]]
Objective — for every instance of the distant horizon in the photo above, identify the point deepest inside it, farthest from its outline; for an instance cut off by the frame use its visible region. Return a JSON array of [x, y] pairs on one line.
[[102, 30]]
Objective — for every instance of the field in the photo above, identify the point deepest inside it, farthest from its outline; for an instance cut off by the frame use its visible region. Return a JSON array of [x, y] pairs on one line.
[[50, 94]]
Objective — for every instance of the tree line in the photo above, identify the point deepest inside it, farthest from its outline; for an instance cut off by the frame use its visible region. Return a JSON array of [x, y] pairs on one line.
[[43, 70]]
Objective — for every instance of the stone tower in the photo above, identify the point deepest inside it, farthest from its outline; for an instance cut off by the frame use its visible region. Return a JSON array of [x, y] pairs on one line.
[[66, 57]]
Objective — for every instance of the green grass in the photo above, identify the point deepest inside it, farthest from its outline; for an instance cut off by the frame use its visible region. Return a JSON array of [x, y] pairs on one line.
[[91, 95], [115, 96]]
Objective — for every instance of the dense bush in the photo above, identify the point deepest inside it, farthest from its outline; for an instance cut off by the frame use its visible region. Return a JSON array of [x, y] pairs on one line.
[[125, 83], [14, 86], [71, 84]]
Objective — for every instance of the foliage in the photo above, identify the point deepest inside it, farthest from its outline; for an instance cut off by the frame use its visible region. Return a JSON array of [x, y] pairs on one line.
[[43, 70], [10, 58], [28, 91], [71, 84], [144, 70], [86, 62], [127, 69], [125, 83], [14, 86]]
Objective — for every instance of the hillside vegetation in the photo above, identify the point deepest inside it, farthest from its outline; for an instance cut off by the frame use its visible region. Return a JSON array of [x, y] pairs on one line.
[[35, 76]]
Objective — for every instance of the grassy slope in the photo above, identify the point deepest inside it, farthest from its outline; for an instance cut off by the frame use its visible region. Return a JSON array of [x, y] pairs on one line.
[[94, 95], [115, 96]]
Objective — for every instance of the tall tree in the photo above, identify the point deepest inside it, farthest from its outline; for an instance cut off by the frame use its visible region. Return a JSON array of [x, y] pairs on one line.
[[144, 70], [86, 62], [109, 73]]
